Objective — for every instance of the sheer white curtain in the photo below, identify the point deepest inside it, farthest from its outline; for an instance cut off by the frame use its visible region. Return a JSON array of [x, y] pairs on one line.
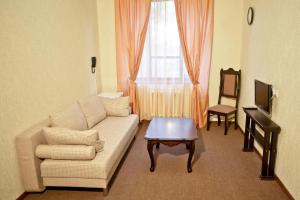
[[163, 82]]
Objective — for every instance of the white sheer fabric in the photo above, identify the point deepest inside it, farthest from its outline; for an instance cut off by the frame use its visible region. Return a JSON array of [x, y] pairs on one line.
[[163, 82], [164, 101], [162, 61]]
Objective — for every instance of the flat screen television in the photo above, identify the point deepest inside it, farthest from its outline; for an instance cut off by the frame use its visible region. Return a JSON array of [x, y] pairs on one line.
[[263, 96]]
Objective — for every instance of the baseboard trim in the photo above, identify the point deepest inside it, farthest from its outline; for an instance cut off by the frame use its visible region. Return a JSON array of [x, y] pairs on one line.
[[22, 196], [277, 179]]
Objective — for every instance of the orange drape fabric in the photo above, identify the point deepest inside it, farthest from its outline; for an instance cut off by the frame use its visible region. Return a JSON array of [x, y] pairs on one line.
[[132, 17], [195, 25]]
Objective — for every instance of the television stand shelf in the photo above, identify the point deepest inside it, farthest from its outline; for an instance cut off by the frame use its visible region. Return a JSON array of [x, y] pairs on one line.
[[268, 141]]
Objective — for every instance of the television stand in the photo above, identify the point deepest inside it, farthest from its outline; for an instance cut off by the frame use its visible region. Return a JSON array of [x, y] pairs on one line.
[[268, 141]]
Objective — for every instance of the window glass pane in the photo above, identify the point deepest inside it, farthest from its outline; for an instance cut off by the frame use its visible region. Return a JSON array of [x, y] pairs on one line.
[[166, 68], [162, 59], [173, 68], [171, 31]]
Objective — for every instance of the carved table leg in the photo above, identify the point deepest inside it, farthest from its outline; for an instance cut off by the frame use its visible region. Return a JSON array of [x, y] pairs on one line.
[[150, 151], [187, 146], [208, 121], [192, 150], [226, 125], [235, 120], [157, 145]]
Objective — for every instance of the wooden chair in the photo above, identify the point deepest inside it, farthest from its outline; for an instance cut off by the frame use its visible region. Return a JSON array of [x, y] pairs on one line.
[[230, 81]]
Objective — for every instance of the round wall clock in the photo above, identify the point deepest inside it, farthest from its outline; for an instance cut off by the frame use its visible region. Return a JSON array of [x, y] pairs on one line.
[[250, 15]]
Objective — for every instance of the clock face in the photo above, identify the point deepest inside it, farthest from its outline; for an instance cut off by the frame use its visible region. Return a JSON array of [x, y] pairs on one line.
[[250, 15]]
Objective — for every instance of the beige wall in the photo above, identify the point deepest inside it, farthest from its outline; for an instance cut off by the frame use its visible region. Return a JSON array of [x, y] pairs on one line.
[[226, 48], [227, 42], [271, 52], [45, 65], [45, 50], [107, 46]]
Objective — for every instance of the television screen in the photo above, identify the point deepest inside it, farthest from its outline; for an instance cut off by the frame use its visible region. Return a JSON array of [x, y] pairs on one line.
[[263, 95]]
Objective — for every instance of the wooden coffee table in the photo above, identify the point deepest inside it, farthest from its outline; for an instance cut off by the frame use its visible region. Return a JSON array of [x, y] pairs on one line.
[[171, 132]]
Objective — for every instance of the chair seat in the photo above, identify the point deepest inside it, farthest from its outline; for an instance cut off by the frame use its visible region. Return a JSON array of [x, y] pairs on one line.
[[224, 109]]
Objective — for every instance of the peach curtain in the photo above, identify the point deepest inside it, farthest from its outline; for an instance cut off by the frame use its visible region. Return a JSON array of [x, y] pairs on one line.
[[132, 18], [195, 26]]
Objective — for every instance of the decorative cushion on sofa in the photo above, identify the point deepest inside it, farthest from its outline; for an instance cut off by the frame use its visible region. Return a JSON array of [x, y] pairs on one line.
[[99, 145], [110, 94], [93, 110], [118, 107], [66, 152], [58, 135], [72, 118]]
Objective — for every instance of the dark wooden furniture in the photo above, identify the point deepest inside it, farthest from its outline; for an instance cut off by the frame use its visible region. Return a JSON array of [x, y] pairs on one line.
[[171, 132], [230, 81], [268, 141]]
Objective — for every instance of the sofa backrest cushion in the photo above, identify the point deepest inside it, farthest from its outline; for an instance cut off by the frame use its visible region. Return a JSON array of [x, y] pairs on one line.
[[72, 118], [118, 107], [93, 110]]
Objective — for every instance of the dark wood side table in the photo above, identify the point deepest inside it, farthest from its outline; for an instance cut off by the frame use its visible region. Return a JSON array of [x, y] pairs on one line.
[[268, 141], [171, 132]]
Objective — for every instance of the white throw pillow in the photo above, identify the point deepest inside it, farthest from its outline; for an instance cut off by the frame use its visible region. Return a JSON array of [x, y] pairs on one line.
[[72, 117], [117, 106], [58, 135], [110, 94], [93, 110]]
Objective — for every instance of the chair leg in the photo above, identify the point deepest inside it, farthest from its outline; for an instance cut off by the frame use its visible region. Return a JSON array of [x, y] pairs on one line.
[[225, 133], [208, 121], [219, 120], [235, 120]]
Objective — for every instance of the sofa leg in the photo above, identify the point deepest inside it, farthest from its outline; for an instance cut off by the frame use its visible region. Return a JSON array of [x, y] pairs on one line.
[[105, 192]]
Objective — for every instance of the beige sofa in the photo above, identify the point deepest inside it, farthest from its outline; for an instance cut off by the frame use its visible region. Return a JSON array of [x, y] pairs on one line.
[[117, 132]]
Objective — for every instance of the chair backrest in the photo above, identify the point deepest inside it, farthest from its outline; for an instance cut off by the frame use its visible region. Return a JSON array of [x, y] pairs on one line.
[[230, 82]]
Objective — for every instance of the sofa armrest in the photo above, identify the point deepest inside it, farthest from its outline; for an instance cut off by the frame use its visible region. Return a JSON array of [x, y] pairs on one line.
[[26, 144]]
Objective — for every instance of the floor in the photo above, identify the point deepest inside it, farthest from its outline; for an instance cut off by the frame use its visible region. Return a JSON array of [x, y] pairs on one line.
[[221, 170]]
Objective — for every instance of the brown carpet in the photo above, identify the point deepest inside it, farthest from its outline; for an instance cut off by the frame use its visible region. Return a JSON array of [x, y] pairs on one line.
[[220, 171]]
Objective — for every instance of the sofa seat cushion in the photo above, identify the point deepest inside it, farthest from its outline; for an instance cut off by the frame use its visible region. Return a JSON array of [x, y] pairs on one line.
[[116, 132]]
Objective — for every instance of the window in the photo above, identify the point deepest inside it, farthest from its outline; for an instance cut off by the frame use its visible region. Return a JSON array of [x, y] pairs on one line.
[[162, 60]]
